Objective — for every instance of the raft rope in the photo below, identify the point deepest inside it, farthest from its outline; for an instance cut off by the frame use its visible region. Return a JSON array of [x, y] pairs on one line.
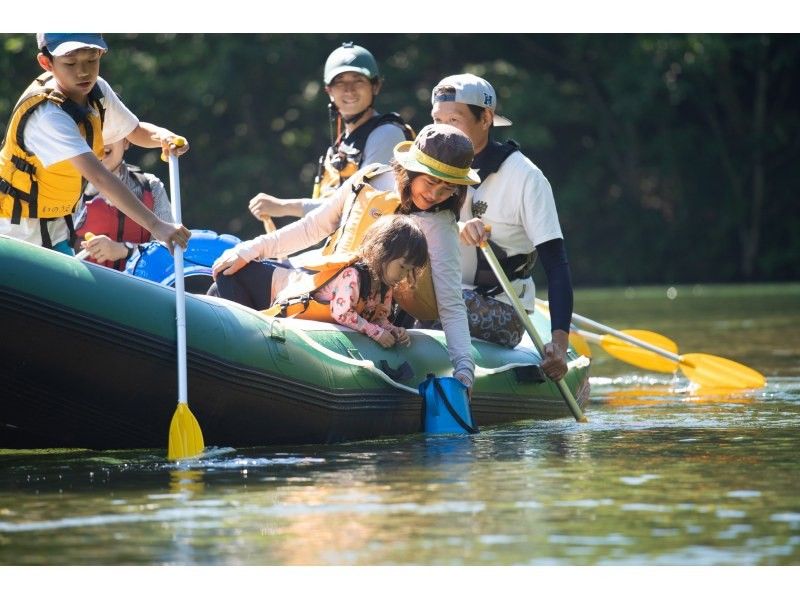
[[370, 365], [364, 363]]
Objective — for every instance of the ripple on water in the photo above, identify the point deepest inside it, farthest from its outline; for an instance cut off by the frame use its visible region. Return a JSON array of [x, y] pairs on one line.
[[638, 506], [793, 518], [606, 540], [744, 494], [734, 531], [730, 514], [638, 480], [587, 503]]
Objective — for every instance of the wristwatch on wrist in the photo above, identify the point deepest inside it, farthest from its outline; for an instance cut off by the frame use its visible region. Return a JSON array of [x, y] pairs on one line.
[[130, 247]]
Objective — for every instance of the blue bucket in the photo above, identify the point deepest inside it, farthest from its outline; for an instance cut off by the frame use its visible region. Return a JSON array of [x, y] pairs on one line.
[[447, 408]]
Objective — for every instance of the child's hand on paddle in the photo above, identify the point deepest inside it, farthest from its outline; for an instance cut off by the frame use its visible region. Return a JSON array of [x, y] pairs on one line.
[[171, 234], [102, 249]]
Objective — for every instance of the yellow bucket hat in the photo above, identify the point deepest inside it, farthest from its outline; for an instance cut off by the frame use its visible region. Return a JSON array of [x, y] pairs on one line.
[[442, 151]]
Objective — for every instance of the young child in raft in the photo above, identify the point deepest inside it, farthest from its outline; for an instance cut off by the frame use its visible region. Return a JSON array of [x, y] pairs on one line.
[[393, 252], [116, 236]]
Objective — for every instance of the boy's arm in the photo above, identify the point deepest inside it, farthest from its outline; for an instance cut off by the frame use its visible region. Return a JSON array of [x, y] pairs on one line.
[[150, 135], [117, 193]]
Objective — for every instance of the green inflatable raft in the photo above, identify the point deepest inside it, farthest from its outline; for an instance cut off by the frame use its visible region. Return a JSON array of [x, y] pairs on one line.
[[88, 360]]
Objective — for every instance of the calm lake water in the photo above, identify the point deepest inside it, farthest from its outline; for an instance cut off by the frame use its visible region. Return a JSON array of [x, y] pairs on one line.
[[661, 474]]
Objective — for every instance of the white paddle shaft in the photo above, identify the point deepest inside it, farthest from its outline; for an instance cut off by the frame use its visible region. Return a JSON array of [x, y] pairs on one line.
[[180, 295]]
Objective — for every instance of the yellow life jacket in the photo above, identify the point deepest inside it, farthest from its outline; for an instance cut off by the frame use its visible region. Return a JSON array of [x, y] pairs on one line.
[[27, 188], [419, 301], [296, 300], [363, 207], [346, 156]]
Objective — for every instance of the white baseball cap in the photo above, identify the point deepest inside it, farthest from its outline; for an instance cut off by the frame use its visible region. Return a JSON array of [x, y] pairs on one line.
[[59, 44], [469, 89]]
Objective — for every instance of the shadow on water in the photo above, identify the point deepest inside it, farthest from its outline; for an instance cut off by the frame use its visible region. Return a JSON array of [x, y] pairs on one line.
[[663, 473]]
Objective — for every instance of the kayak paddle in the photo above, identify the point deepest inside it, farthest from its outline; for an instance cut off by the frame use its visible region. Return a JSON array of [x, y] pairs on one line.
[[185, 436], [701, 368]]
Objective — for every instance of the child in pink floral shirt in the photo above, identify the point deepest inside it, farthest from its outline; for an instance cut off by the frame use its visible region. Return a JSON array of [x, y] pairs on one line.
[[393, 251]]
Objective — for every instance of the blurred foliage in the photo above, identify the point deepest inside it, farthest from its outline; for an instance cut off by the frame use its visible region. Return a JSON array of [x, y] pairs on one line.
[[671, 156]]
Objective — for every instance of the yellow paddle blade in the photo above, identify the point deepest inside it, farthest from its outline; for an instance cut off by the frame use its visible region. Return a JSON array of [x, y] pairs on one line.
[[638, 356], [185, 436], [579, 343], [717, 372]]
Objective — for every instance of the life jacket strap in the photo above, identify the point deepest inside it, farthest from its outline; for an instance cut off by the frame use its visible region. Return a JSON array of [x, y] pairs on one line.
[[20, 196], [516, 267], [493, 156], [23, 165], [47, 242], [286, 308]]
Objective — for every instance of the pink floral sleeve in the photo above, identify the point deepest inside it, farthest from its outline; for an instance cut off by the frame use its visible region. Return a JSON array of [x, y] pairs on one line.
[[342, 292]]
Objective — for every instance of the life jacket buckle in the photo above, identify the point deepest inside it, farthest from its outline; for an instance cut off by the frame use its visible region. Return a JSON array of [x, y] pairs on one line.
[[23, 166]]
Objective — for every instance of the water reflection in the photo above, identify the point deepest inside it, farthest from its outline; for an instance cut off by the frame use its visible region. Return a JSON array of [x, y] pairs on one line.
[[186, 483]]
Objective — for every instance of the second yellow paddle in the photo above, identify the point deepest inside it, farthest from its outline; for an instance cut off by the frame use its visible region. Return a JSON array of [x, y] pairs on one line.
[[705, 370]]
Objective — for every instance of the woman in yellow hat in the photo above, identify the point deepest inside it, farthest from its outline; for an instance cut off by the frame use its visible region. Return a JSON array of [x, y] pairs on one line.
[[428, 180]]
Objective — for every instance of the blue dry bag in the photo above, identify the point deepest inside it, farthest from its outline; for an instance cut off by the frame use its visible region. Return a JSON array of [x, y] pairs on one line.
[[156, 263], [446, 406]]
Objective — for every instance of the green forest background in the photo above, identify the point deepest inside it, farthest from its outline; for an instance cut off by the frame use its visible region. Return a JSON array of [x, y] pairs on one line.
[[673, 158]]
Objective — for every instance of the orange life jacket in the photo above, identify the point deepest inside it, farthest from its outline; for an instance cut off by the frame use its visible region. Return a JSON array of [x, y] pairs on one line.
[[363, 207], [297, 300]]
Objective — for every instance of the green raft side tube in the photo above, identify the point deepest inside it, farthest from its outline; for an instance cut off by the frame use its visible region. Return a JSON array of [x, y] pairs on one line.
[[88, 361]]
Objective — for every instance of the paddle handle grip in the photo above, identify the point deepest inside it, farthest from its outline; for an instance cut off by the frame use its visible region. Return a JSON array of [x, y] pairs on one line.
[[179, 142], [84, 253], [566, 393]]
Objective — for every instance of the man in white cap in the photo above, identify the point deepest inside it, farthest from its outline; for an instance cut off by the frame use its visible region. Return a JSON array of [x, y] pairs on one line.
[[55, 141], [515, 199]]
